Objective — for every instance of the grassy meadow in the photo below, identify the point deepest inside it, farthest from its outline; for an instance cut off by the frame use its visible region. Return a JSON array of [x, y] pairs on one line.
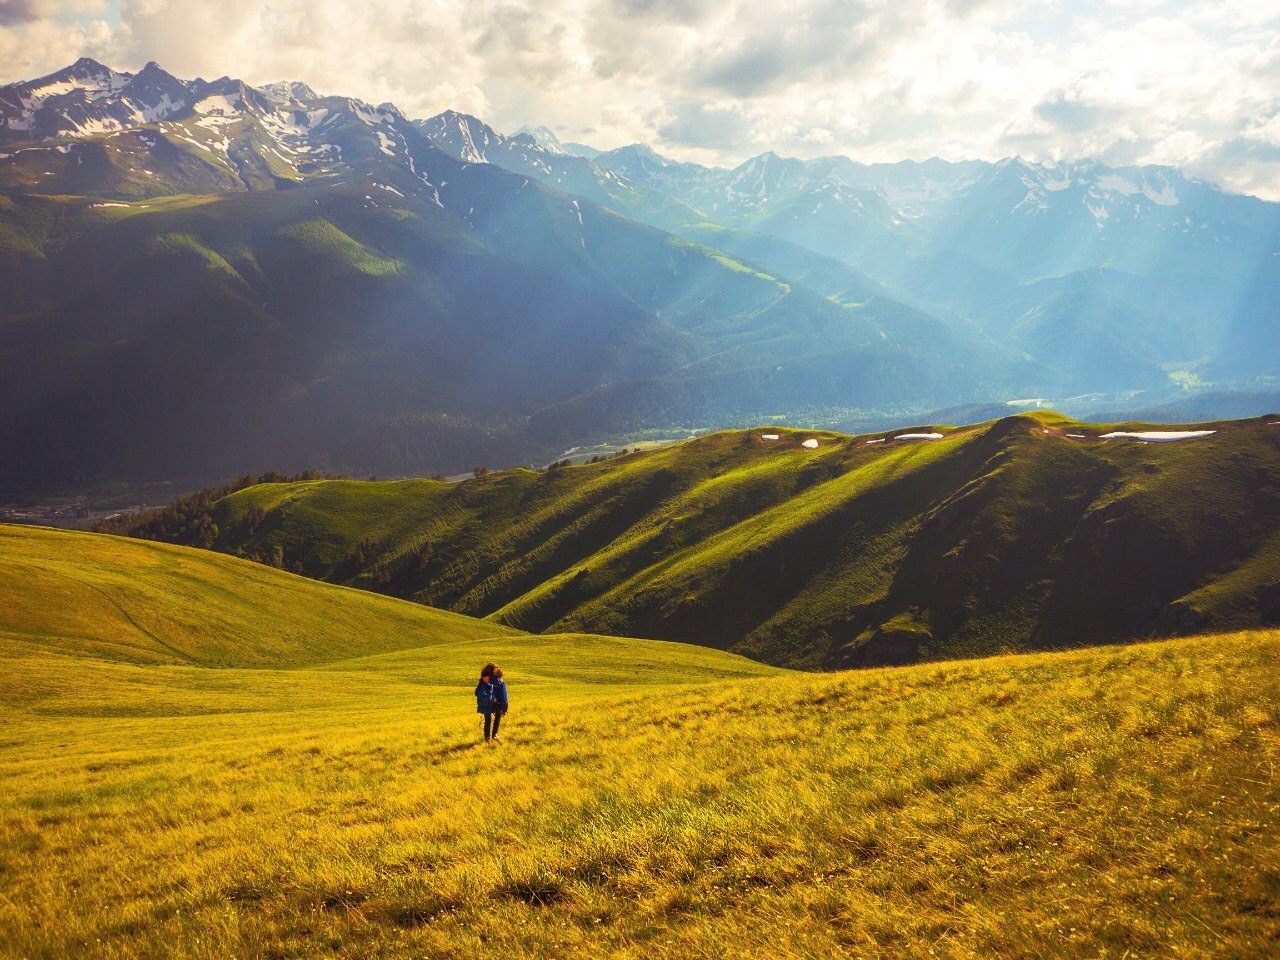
[[650, 799]]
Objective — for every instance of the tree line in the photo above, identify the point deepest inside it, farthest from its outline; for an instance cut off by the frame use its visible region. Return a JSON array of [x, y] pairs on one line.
[[189, 520]]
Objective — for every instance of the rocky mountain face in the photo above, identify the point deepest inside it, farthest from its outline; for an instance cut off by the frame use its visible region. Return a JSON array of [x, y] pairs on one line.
[[88, 98], [541, 157]]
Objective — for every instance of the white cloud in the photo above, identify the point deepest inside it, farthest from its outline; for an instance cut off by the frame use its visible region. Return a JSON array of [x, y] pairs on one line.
[[39, 36], [26, 11], [1171, 81]]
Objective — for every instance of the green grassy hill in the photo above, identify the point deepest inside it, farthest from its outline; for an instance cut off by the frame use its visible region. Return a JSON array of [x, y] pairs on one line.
[[651, 800], [1023, 533], [133, 602]]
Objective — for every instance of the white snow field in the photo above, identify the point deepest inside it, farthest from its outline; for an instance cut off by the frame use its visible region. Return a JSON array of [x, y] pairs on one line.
[[810, 444], [1158, 436], [918, 436]]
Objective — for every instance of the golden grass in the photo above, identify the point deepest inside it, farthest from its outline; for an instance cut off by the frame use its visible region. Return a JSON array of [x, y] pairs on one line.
[[647, 803]]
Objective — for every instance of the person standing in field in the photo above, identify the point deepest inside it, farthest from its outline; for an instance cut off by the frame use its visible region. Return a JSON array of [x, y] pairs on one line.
[[491, 700]]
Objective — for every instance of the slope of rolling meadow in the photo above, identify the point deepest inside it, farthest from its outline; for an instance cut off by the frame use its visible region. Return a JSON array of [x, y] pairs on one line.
[[185, 778], [1029, 532]]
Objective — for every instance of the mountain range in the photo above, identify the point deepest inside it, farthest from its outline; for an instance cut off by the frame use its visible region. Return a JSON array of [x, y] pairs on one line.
[[810, 549], [203, 278]]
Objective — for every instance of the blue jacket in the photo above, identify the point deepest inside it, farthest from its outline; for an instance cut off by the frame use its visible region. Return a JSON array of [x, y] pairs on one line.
[[491, 697], [500, 696]]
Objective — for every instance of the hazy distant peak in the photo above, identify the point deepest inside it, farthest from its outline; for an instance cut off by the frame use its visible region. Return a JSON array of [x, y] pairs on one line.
[[542, 137], [586, 151], [633, 155], [643, 149]]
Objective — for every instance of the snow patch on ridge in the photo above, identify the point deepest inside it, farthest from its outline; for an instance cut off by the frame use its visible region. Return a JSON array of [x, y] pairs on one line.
[[218, 104], [1166, 197], [1158, 436], [1117, 184]]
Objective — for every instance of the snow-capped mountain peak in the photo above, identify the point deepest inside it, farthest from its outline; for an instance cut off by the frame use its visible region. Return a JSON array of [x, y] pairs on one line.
[[287, 91], [466, 137], [226, 97], [87, 99], [64, 99], [151, 134]]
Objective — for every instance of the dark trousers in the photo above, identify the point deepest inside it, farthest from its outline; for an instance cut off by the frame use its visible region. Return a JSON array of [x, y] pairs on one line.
[[491, 721]]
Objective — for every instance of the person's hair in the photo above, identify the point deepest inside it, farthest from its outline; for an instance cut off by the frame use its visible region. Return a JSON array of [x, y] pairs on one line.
[[497, 672], [489, 670]]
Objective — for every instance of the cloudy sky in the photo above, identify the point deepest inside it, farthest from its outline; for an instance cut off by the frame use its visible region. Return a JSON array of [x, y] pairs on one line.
[[1195, 84]]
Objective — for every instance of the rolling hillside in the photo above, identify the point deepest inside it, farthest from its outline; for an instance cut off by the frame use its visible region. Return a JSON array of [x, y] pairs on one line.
[[1029, 532], [164, 805], [108, 598], [77, 598]]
